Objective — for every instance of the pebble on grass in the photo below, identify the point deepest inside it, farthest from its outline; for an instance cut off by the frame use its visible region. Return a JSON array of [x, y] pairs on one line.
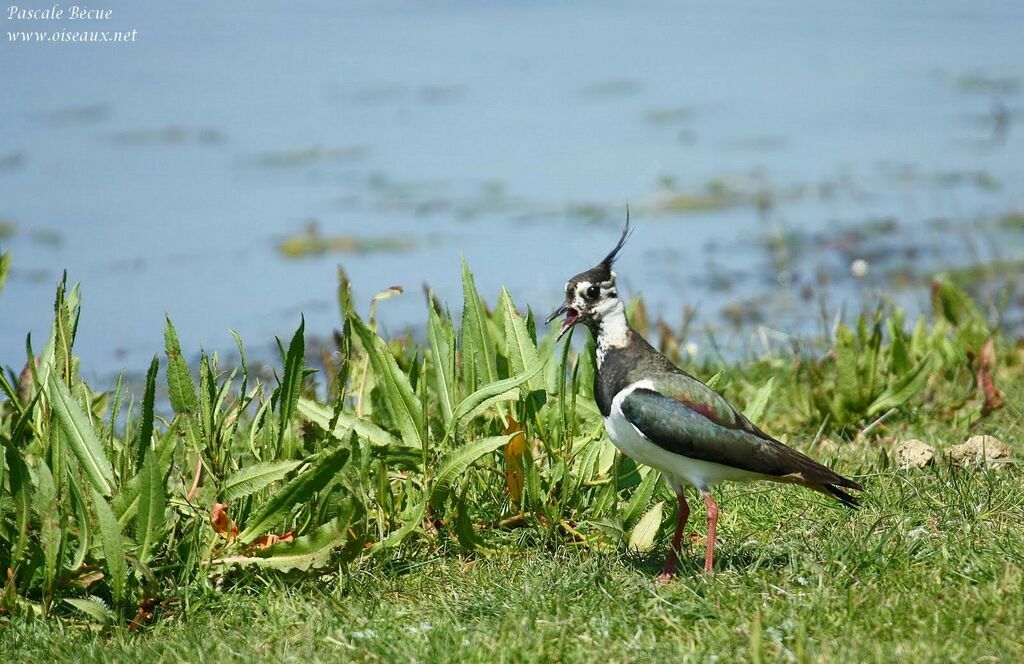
[[977, 451]]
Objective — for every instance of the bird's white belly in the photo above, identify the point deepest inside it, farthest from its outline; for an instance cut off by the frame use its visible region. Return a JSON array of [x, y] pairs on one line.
[[677, 468]]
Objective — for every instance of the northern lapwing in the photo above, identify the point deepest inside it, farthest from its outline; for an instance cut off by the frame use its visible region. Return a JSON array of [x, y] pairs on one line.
[[665, 418]]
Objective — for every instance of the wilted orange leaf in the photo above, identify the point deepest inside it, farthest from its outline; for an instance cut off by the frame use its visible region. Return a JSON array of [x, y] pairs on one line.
[[514, 450], [269, 540], [222, 523]]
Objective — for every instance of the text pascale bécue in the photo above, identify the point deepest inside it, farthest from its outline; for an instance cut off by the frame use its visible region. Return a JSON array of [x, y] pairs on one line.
[[56, 13]]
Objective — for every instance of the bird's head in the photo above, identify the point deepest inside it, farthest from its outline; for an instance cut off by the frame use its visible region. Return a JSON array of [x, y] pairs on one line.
[[591, 295]]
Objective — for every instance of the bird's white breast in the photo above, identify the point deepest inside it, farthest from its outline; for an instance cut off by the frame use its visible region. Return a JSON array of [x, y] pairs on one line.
[[676, 467]]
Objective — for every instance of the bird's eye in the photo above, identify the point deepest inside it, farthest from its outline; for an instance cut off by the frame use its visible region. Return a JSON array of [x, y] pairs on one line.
[[593, 292]]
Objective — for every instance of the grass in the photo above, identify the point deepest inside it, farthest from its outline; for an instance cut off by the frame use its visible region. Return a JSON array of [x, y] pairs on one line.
[[929, 570], [456, 499]]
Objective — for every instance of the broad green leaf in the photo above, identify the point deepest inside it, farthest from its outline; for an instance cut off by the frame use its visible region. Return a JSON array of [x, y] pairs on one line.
[[904, 389], [442, 360], [20, 494], [126, 503], [456, 462], [519, 346], [145, 439], [641, 498], [954, 305], [491, 391], [113, 544], [92, 608], [5, 266], [80, 436], [479, 365], [306, 552], [297, 491], [755, 409], [321, 415], [291, 385], [465, 531], [181, 389], [83, 523], [411, 518], [642, 537], [402, 402], [149, 519], [50, 535], [250, 479]]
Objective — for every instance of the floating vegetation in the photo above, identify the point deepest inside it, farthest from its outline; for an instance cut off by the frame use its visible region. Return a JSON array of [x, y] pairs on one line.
[[716, 194], [908, 174], [980, 83], [315, 154], [1012, 221], [619, 87], [12, 161], [439, 94], [69, 115], [969, 276], [313, 242], [169, 135], [759, 143], [45, 236], [670, 116]]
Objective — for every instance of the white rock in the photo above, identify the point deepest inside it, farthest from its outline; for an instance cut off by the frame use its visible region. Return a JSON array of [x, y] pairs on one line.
[[977, 451], [914, 453]]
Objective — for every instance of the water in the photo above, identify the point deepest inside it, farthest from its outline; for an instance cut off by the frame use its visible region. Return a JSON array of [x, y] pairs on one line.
[[163, 174]]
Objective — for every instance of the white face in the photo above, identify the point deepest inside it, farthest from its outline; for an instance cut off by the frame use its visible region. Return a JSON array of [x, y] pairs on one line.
[[593, 300]]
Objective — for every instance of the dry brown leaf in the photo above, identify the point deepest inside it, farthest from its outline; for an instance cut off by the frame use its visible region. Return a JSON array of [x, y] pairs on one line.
[[514, 451], [269, 540], [222, 523]]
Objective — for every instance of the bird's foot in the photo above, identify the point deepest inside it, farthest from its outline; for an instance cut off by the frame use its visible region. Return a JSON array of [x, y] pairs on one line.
[[666, 576]]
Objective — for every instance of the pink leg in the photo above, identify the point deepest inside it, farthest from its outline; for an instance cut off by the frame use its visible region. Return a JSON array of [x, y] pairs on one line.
[[709, 558], [669, 570]]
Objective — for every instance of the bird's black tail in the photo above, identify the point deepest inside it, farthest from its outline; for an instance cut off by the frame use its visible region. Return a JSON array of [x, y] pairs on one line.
[[850, 501]]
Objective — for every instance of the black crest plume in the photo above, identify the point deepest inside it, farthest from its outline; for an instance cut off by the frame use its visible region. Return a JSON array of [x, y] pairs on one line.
[[602, 272]]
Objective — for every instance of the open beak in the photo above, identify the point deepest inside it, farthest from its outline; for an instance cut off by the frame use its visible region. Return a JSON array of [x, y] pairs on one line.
[[571, 318]]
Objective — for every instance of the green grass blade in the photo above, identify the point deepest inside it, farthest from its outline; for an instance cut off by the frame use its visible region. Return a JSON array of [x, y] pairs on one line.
[[299, 490], [113, 545], [79, 434], [149, 518], [456, 462], [256, 477]]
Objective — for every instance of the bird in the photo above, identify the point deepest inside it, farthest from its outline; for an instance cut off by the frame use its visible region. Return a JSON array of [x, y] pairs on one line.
[[663, 417]]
